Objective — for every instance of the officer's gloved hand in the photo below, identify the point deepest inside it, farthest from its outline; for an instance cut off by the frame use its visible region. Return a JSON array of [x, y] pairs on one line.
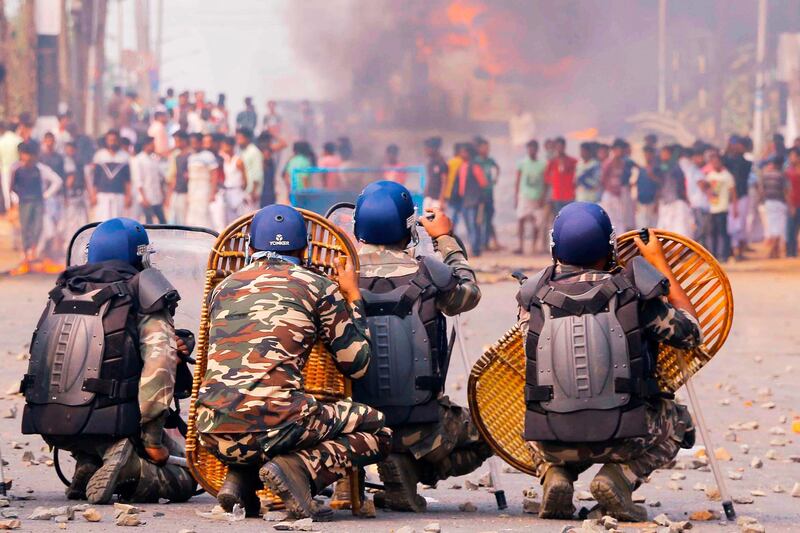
[[184, 343], [436, 223]]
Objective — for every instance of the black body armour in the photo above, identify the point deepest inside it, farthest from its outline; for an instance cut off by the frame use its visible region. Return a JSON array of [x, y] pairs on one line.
[[85, 365], [589, 367], [410, 352]]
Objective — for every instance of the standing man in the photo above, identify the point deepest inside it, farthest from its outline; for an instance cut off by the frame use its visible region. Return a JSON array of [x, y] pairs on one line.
[[722, 204], [252, 409], [158, 132], [740, 169], [613, 413], [178, 178], [470, 181], [587, 175], [492, 172], [692, 162], [647, 183], [437, 174], [560, 176], [674, 213], [407, 299], [148, 182], [529, 197], [9, 154], [110, 187], [793, 226], [76, 214], [32, 183], [611, 181], [52, 238], [272, 120], [247, 118], [235, 181], [202, 183], [253, 161]]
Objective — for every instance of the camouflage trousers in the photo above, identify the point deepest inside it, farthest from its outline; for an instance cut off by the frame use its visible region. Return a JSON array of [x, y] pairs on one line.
[[450, 447], [667, 422], [336, 437], [168, 482]]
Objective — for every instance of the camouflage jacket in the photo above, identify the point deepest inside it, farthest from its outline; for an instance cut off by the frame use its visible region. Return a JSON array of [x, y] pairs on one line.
[[389, 262], [661, 322], [264, 321]]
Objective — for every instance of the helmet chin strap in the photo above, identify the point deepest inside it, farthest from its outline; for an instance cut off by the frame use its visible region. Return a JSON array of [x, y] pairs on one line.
[[247, 258], [145, 251]]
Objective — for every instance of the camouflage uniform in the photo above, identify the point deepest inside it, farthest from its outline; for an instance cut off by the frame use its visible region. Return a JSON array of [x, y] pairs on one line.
[[264, 321], [452, 446], [668, 422]]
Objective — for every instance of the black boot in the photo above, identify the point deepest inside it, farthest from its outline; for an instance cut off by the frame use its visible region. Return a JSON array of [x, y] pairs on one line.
[[240, 487], [287, 477], [614, 494], [121, 466], [557, 493], [399, 475], [85, 467]]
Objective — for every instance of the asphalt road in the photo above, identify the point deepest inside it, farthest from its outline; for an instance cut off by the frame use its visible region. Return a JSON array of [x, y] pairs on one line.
[[763, 351]]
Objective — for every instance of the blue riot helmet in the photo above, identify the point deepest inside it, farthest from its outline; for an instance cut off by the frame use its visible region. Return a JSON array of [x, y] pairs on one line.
[[582, 235], [278, 228], [121, 239], [385, 214]]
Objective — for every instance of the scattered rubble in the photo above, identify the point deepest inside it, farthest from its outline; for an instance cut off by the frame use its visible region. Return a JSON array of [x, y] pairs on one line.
[[796, 490], [705, 515], [467, 507], [433, 527], [91, 515], [10, 524], [756, 463], [530, 506]]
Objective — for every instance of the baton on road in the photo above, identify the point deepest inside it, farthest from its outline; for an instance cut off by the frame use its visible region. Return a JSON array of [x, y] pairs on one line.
[[494, 471], [727, 502], [2, 475]]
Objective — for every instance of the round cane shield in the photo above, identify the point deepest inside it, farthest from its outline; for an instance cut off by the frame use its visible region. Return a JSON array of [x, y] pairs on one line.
[[496, 389]]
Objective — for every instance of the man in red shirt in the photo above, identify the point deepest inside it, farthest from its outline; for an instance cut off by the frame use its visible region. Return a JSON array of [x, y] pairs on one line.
[[793, 226], [560, 176]]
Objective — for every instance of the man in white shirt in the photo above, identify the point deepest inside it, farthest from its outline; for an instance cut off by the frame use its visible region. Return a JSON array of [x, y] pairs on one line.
[[159, 134], [203, 171], [148, 183], [691, 163]]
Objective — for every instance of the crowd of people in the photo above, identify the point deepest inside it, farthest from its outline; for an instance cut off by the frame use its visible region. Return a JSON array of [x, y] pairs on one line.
[[721, 198], [183, 162]]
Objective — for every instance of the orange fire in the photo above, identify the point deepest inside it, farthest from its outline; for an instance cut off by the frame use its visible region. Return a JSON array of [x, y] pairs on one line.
[[493, 33]]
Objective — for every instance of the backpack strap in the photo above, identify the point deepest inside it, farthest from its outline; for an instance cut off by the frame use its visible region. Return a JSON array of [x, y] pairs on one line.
[[420, 283], [114, 389], [592, 302]]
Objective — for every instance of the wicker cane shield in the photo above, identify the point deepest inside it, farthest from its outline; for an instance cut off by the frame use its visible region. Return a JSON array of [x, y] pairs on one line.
[[496, 383], [327, 245]]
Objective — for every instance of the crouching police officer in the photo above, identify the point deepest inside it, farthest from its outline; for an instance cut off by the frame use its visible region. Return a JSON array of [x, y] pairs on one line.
[[406, 301], [252, 410], [591, 391], [102, 371]]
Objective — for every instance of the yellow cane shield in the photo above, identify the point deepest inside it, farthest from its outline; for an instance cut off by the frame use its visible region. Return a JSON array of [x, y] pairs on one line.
[[327, 246], [496, 383]]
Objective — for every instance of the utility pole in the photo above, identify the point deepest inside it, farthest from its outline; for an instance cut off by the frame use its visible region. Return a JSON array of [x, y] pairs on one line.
[[145, 56], [758, 101], [662, 56], [159, 40]]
